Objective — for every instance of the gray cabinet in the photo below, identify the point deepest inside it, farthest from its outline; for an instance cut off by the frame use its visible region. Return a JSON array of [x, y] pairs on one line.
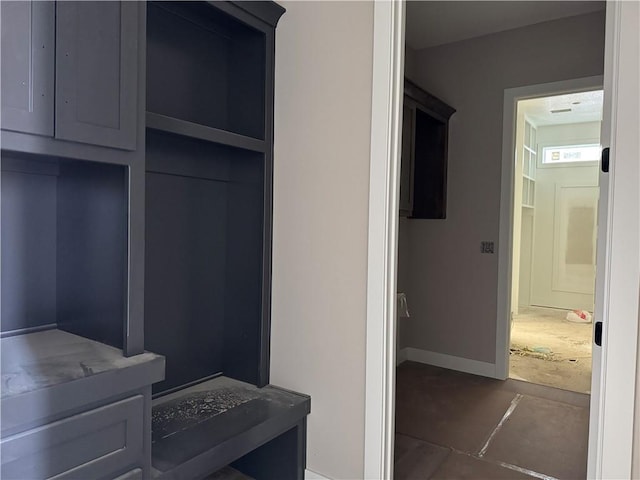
[[85, 445], [94, 67], [406, 171], [97, 73], [28, 42], [425, 133]]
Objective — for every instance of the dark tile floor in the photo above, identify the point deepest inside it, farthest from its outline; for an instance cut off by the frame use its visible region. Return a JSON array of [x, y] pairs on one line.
[[452, 425]]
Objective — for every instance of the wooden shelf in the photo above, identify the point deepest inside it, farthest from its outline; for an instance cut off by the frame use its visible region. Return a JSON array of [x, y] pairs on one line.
[[67, 369], [199, 430], [194, 130]]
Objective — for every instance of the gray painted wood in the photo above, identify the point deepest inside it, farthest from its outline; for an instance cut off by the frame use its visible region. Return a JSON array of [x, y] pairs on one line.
[[406, 168], [45, 359], [189, 157], [185, 275], [243, 282], [211, 66], [35, 144], [201, 429], [27, 45], [92, 251], [194, 130], [135, 474], [29, 240], [283, 458], [87, 445], [265, 332], [179, 229], [228, 473], [96, 73], [45, 374], [268, 12]]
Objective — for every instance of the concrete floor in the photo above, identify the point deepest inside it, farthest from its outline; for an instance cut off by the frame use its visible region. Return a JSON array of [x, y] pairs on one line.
[[549, 350], [452, 425]]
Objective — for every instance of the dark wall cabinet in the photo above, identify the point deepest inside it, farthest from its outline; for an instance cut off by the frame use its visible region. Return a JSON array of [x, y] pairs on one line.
[[425, 133], [97, 73], [89, 52], [28, 43], [137, 187]]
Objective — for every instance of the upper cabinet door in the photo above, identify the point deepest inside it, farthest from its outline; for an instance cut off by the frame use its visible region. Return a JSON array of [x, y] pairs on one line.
[[28, 66], [97, 73]]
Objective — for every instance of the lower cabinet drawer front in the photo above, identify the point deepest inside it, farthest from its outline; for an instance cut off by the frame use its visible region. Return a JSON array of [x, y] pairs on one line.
[[87, 445]]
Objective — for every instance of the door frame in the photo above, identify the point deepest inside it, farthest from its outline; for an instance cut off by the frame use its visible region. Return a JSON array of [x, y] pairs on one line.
[[384, 201], [505, 239], [610, 449]]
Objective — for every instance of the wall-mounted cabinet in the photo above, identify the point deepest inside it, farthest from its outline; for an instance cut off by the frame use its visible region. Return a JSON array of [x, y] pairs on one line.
[[28, 61], [425, 133], [70, 71]]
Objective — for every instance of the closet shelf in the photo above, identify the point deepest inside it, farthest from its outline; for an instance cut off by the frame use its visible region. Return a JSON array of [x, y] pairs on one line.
[[194, 130]]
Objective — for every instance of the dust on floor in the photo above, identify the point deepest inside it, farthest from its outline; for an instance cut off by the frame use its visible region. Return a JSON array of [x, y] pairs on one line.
[[549, 350]]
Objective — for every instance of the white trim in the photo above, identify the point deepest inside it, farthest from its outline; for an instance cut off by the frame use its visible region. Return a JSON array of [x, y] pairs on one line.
[[613, 391], [449, 361], [402, 356], [505, 239], [386, 124], [311, 475]]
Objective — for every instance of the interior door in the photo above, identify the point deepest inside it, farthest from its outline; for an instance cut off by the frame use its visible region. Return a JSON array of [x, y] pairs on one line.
[[564, 246]]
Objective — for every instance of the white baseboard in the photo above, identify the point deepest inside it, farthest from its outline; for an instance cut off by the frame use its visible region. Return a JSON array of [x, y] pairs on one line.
[[449, 361], [401, 356], [311, 475]]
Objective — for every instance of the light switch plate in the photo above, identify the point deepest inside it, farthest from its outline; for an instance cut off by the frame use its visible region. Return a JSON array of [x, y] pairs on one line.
[[487, 247]]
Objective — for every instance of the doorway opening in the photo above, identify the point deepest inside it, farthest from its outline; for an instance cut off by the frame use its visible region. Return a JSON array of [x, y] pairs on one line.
[[555, 195]]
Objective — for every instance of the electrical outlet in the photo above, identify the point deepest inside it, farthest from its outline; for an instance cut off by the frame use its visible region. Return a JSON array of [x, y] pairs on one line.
[[487, 247]]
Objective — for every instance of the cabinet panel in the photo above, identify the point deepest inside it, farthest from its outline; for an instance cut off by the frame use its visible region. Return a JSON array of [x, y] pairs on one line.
[[135, 474], [28, 66], [87, 445], [406, 168], [97, 73]]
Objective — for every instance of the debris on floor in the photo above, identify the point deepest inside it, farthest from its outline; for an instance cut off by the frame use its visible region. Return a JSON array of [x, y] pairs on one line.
[[544, 353], [568, 366], [579, 316]]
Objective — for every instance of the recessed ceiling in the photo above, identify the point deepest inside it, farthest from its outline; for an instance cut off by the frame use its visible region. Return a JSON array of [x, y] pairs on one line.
[[439, 22], [562, 109]]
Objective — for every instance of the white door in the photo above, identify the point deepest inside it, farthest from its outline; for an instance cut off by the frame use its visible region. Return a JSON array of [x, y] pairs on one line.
[[611, 448], [564, 245]]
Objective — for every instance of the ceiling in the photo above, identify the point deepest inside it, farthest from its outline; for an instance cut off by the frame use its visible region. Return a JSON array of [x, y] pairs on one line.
[[583, 107], [431, 23]]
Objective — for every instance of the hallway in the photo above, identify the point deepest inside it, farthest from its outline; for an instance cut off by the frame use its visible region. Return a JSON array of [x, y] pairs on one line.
[[453, 425]]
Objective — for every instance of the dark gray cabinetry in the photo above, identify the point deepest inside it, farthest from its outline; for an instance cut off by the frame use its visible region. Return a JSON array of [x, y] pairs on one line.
[[94, 67], [209, 188], [97, 72], [74, 408], [425, 134], [76, 380], [160, 242], [28, 42]]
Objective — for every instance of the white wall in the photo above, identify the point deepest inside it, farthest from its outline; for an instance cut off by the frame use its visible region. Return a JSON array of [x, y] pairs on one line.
[[517, 212], [452, 292], [322, 137], [576, 133]]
